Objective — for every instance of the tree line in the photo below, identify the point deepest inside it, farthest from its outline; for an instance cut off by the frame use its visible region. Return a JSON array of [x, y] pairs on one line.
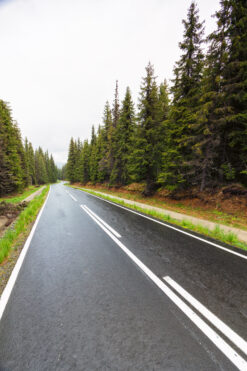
[[191, 135], [20, 165]]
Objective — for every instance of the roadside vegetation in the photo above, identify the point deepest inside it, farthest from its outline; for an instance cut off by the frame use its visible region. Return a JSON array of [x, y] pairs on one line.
[[21, 226], [182, 144], [20, 196], [20, 165], [191, 134], [218, 234], [219, 207]]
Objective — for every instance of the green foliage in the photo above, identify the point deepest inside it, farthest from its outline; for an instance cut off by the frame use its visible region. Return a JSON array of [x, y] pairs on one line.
[[20, 196], [21, 225], [199, 138], [19, 166], [145, 160], [216, 233], [123, 136], [12, 177], [177, 167]]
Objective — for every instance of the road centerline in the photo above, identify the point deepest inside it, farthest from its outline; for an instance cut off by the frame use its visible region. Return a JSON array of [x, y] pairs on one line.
[[73, 198], [103, 222], [215, 338], [217, 322]]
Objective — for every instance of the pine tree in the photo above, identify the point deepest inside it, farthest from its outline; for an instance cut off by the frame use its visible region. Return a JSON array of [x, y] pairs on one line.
[[145, 159], [123, 135], [235, 89], [71, 161], [115, 109], [93, 136], [11, 150], [177, 166], [105, 143], [84, 161], [94, 157], [27, 161], [31, 162], [208, 149], [40, 167]]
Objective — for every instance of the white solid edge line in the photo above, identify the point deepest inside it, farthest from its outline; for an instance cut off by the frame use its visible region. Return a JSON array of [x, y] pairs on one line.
[[226, 330], [169, 226], [220, 343], [104, 223], [11, 282]]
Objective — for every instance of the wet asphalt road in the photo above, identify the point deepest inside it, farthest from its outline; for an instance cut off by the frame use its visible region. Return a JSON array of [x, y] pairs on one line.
[[80, 303]]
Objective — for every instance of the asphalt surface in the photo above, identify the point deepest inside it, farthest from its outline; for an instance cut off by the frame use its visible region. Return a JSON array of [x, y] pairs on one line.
[[81, 303]]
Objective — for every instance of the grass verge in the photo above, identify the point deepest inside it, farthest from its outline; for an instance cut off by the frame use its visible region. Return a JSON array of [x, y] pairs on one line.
[[224, 212], [217, 233], [26, 217], [14, 199]]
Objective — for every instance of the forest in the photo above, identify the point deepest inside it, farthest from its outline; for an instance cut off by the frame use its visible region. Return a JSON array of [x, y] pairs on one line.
[[20, 165], [190, 134]]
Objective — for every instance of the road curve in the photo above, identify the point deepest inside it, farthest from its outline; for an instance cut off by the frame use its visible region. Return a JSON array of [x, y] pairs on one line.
[[102, 288]]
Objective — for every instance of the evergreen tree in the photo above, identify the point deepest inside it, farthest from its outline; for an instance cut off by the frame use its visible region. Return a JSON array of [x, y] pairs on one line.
[[40, 167], [93, 136], [105, 145], [85, 168], [235, 90], [94, 157], [11, 171], [208, 149], [115, 109], [31, 163], [123, 135], [186, 90], [54, 170], [71, 163], [145, 159]]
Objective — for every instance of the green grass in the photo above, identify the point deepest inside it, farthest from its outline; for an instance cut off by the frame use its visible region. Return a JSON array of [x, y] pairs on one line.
[[26, 217], [217, 233], [210, 214], [14, 199]]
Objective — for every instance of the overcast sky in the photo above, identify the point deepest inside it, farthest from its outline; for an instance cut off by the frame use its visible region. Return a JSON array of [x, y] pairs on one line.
[[60, 59]]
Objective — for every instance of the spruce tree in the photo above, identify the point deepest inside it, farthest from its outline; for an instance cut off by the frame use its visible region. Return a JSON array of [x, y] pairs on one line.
[[208, 151], [31, 162], [11, 153], [186, 90], [71, 161], [40, 167], [123, 136], [84, 163], [105, 143], [144, 161], [235, 89]]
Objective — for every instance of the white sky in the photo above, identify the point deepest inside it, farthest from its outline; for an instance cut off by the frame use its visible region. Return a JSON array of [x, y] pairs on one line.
[[60, 59]]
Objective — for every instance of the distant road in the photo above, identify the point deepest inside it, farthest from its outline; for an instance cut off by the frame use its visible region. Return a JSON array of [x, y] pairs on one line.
[[104, 288]]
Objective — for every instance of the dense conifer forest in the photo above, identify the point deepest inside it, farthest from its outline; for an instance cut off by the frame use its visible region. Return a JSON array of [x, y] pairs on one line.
[[20, 165], [193, 134]]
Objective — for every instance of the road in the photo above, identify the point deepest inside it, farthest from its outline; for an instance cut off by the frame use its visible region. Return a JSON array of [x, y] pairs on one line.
[[122, 292]]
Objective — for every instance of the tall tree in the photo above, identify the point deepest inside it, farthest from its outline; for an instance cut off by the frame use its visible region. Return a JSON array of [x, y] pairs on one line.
[[145, 159], [11, 151], [208, 149], [105, 143], [115, 109], [71, 161], [123, 135], [186, 91], [235, 88]]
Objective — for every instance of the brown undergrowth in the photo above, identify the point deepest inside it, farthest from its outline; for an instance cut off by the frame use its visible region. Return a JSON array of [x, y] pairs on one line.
[[226, 205]]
